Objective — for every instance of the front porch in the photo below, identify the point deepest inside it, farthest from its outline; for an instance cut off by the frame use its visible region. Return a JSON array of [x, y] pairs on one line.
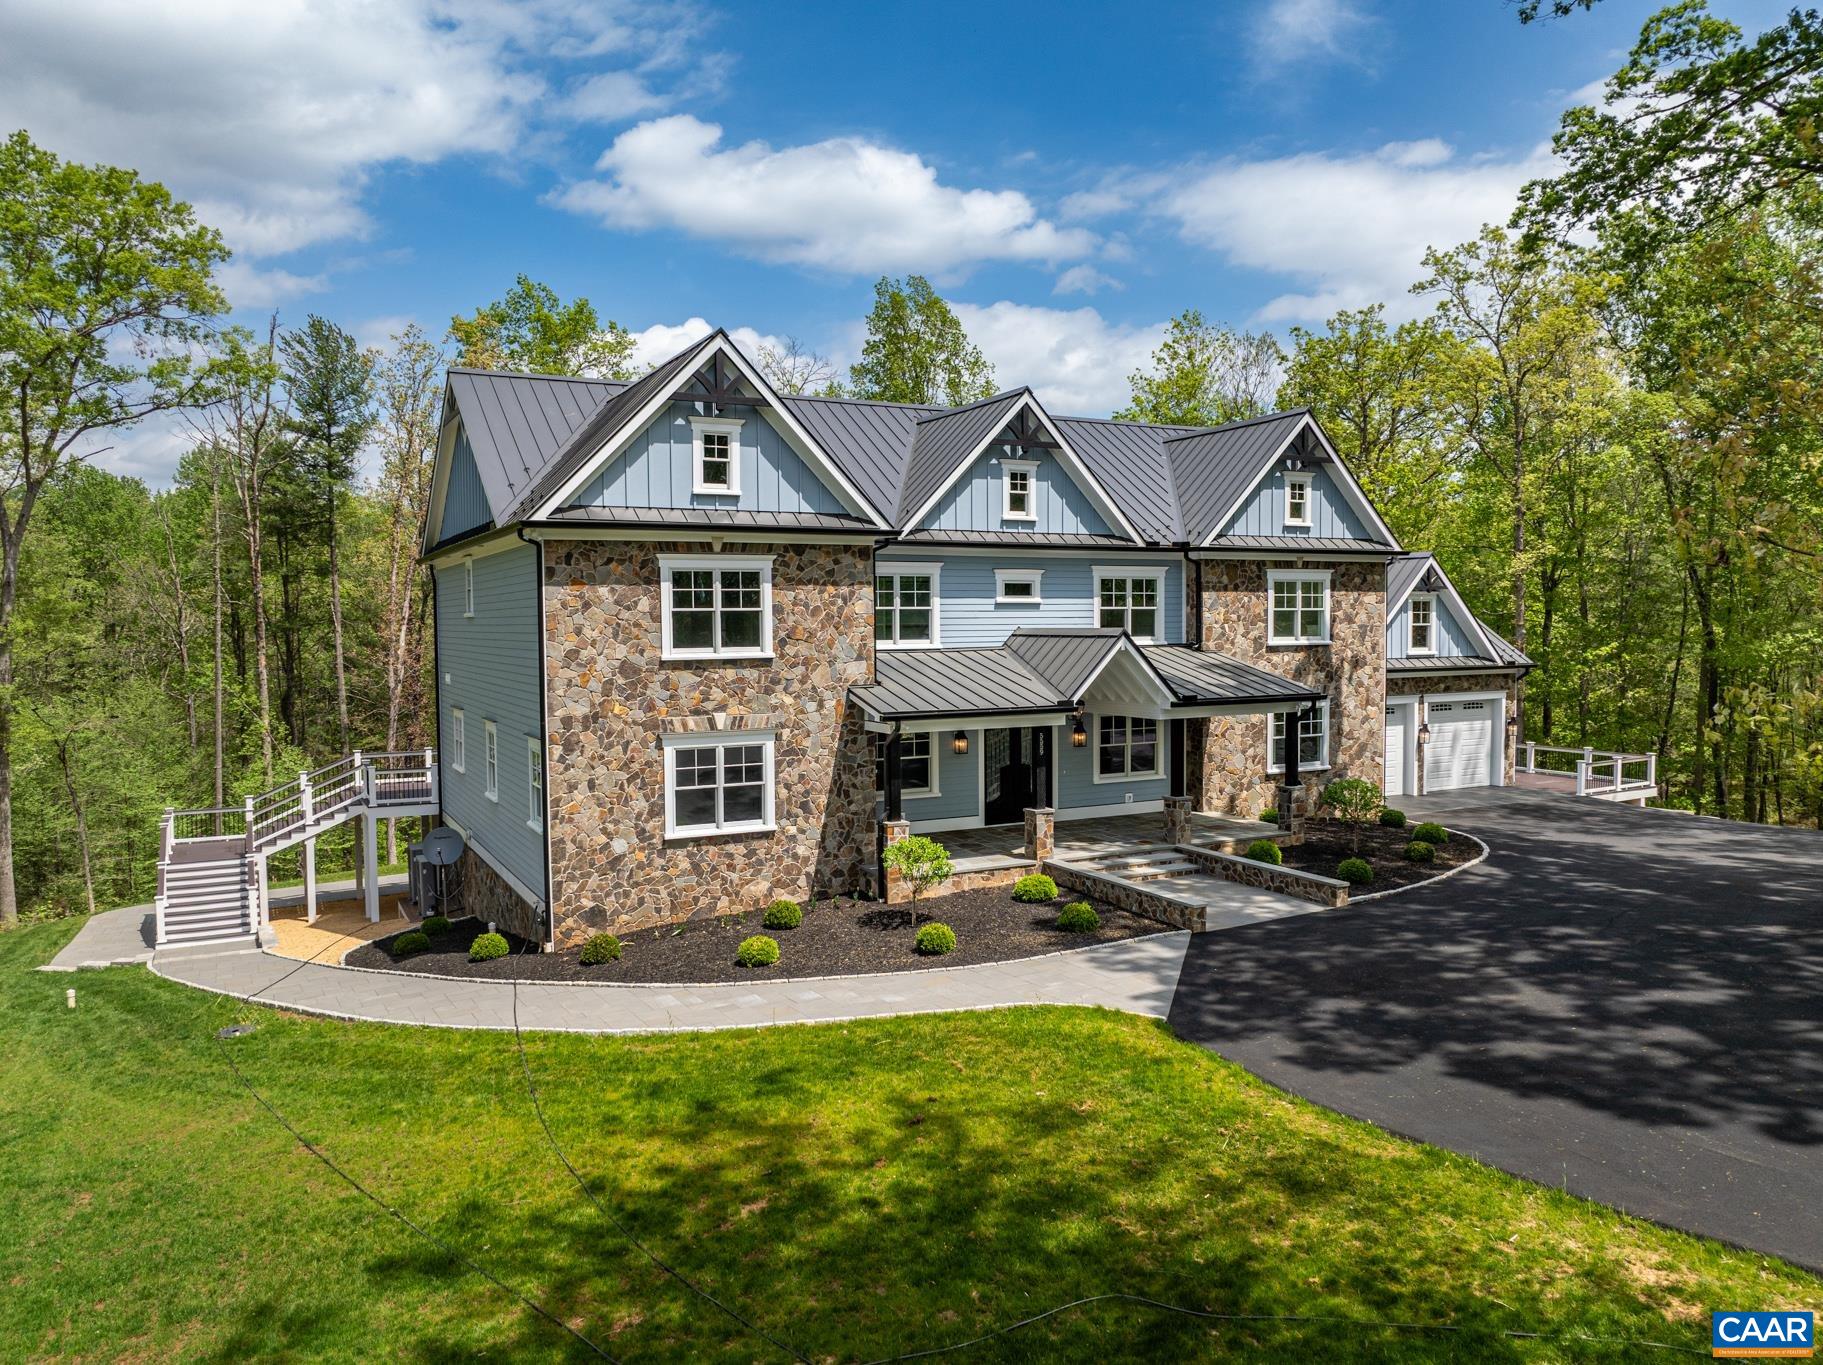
[[1003, 846]]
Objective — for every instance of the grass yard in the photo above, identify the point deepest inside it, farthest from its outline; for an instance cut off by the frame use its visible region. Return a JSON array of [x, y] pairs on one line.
[[860, 1190]]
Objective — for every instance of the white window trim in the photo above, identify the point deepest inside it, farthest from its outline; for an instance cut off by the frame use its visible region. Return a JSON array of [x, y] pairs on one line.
[[1158, 750], [1158, 580], [459, 746], [1302, 481], [1033, 576], [721, 426], [936, 767], [1429, 598], [534, 781], [672, 743], [490, 762], [897, 568], [668, 564], [468, 587], [1030, 469], [1277, 576], [1289, 717]]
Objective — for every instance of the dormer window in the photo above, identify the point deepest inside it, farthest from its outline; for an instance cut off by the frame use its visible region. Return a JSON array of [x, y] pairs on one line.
[[1424, 624], [1016, 480], [1297, 499], [716, 456]]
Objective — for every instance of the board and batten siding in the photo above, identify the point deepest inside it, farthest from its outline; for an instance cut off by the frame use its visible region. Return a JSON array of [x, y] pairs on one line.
[[657, 471], [968, 615], [1452, 636], [464, 499], [978, 499], [1263, 513], [1076, 784], [489, 663]]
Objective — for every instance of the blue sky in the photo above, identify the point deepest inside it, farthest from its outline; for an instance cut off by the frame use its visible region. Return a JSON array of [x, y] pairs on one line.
[[1071, 175]]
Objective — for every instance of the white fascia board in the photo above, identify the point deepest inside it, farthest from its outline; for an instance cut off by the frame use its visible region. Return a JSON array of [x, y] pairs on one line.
[[1162, 692], [439, 473], [479, 547], [1009, 720], [1067, 456], [1346, 482]]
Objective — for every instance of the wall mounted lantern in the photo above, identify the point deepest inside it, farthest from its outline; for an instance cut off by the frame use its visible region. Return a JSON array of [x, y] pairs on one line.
[[1079, 737], [960, 742]]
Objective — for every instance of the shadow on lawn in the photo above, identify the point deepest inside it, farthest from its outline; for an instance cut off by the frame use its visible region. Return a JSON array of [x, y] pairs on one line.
[[1654, 967]]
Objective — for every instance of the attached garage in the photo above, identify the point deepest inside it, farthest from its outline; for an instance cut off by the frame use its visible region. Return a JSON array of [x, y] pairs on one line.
[[1398, 749], [1465, 742]]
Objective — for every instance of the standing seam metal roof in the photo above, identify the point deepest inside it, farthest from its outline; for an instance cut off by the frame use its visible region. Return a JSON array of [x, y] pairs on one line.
[[1213, 470]]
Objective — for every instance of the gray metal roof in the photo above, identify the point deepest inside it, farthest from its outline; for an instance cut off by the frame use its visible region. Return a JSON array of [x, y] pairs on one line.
[[871, 442], [1070, 658], [943, 441], [515, 421], [1445, 663], [915, 683], [1128, 461], [1213, 470], [1402, 575], [1509, 653], [1204, 677], [1012, 540], [728, 517], [1292, 545]]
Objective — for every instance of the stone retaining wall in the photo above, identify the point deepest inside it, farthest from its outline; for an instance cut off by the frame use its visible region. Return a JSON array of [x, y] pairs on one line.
[[485, 894], [1125, 895], [1288, 881]]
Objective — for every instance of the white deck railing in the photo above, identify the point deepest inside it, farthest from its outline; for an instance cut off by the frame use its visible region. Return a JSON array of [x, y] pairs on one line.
[[1597, 771], [351, 785]]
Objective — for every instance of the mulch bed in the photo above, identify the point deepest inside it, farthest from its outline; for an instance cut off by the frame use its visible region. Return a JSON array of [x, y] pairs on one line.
[[1327, 843], [837, 938]]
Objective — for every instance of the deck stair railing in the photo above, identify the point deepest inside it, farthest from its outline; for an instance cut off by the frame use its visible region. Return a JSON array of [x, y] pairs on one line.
[[1597, 771]]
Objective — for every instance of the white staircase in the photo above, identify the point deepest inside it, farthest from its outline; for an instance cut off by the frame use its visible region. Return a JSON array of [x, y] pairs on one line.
[[212, 877]]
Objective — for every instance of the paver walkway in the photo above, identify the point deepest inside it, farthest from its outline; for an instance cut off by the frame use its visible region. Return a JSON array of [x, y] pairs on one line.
[[1137, 975]]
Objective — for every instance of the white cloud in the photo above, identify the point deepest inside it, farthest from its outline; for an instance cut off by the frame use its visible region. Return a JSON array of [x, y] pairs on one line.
[[1074, 359], [661, 341], [844, 204], [1287, 31], [249, 286], [1084, 279], [272, 117], [1351, 229]]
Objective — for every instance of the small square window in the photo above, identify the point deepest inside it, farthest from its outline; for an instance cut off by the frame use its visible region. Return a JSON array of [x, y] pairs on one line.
[[715, 456]]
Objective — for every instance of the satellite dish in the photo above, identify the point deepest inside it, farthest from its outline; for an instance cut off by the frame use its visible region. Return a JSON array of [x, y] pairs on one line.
[[442, 847]]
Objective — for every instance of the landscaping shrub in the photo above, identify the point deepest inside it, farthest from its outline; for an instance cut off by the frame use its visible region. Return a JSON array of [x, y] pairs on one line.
[[435, 925], [937, 939], [922, 862], [1355, 802], [784, 914], [758, 951], [1392, 819], [1079, 917], [1355, 871], [1034, 887], [599, 949], [414, 941], [1270, 815], [1265, 851], [1420, 852], [1431, 833], [487, 947]]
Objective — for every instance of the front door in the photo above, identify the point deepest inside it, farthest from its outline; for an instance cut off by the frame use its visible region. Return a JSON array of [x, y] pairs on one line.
[[1008, 775]]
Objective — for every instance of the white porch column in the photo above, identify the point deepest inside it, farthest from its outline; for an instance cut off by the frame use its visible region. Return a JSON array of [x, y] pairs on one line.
[[370, 869], [310, 881]]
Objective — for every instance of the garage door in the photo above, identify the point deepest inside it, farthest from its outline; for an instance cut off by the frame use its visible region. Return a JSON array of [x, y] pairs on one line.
[[1394, 770], [1459, 752]]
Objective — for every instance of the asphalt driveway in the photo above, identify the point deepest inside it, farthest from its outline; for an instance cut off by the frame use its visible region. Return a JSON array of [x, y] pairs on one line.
[[1627, 1004]]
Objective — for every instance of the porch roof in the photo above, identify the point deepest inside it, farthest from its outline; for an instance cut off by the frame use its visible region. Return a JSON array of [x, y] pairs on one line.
[[1040, 672]]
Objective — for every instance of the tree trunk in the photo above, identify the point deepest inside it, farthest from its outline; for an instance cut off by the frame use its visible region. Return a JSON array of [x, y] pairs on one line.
[[335, 622], [215, 522], [9, 593], [82, 822]]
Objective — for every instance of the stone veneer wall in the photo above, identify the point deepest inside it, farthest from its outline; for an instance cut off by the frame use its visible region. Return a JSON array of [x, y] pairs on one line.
[[486, 895], [1432, 685], [1228, 770], [610, 698]]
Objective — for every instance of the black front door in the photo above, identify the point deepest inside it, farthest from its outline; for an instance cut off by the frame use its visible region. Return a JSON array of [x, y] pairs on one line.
[[1011, 776]]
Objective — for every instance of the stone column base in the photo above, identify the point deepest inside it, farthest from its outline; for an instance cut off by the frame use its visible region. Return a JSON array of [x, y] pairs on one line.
[[1177, 819], [1292, 804], [898, 890], [1040, 833]]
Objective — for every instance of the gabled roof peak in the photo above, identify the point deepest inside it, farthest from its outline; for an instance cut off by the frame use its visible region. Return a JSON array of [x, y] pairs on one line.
[[1190, 433], [1000, 397]]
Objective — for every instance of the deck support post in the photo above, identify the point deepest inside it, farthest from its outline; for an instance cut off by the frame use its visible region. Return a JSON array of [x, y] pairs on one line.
[[370, 870], [309, 859], [262, 892]]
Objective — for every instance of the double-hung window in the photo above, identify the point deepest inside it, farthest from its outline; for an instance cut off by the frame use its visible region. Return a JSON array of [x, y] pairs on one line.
[[534, 771], [1299, 613], [1127, 601], [1313, 740], [715, 460], [491, 736], [716, 607], [1125, 746], [720, 787], [917, 774], [1423, 613], [1017, 483], [1297, 499], [458, 743], [905, 604]]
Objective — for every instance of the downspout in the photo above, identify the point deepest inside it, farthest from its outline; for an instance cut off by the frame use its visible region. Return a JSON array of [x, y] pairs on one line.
[[1196, 601], [436, 682], [544, 737]]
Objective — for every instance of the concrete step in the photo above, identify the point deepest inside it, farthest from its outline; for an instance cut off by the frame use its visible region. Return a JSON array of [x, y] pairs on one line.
[[1156, 870]]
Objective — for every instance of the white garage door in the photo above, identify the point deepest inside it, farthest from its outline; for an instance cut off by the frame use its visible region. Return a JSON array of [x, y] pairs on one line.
[[1459, 752], [1394, 770]]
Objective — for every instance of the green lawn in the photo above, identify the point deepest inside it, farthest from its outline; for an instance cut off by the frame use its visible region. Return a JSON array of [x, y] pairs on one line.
[[860, 1190]]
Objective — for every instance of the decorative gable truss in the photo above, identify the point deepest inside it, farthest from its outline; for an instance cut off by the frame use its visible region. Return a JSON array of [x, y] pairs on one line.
[[1434, 584], [1301, 488], [724, 393], [1012, 448]]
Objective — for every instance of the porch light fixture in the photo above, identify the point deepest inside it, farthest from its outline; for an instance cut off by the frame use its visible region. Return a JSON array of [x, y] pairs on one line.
[[1079, 736], [960, 742], [1424, 730], [1512, 720]]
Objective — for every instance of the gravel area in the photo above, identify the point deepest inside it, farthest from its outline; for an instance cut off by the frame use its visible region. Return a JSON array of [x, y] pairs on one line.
[[837, 938], [1327, 843]]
